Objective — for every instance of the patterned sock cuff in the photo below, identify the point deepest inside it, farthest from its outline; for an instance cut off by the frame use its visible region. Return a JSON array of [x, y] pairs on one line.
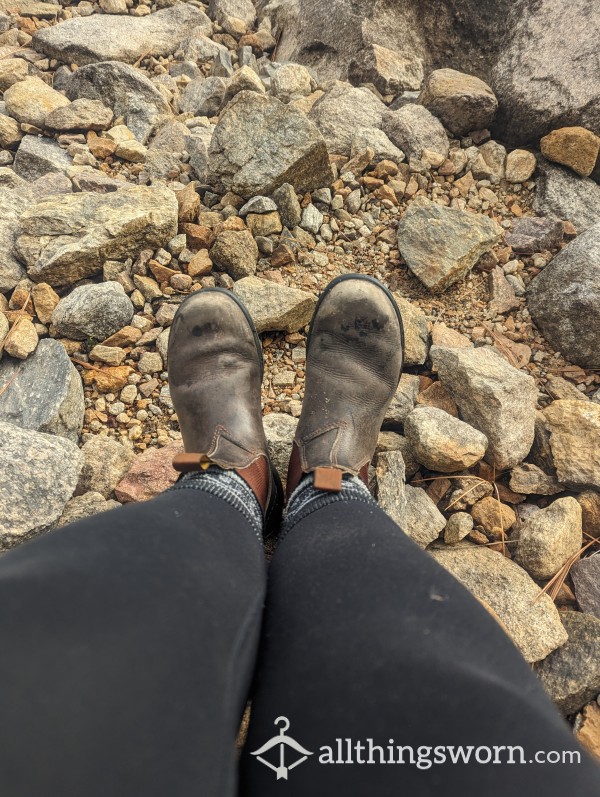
[[229, 486], [306, 499]]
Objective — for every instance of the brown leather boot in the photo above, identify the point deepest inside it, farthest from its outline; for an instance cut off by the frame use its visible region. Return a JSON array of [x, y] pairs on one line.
[[215, 376], [353, 364]]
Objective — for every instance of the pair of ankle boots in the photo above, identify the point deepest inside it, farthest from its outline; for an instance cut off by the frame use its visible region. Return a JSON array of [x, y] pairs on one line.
[[353, 365]]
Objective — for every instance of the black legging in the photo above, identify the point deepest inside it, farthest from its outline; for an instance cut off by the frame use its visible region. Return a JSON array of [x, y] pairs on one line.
[[129, 642]]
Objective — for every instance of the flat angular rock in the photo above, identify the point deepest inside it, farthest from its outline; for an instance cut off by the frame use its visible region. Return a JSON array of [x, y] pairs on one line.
[[66, 238], [378, 141], [462, 102], [564, 300], [388, 71], [549, 538], [533, 624], [502, 294], [151, 473], [574, 428], [39, 474], [548, 74], [571, 674], [93, 311], [421, 519], [87, 40], [341, 111], [564, 195], [81, 114], [124, 89], [414, 129], [528, 479], [105, 463], [259, 143], [275, 307], [12, 204], [492, 396], [43, 393], [531, 234], [442, 443], [38, 156], [440, 245], [586, 580], [199, 49]]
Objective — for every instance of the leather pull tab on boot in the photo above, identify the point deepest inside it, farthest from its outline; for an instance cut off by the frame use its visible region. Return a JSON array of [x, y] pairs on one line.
[[328, 479], [188, 463]]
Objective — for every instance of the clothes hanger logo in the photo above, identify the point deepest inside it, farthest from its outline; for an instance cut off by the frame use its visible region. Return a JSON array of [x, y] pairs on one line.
[[285, 743]]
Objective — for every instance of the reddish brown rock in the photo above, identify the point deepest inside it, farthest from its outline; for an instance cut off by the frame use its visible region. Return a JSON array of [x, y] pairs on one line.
[[151, 473]]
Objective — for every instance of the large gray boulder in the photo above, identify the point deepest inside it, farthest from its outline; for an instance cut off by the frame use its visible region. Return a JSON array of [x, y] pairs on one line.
[[124, 89], [564, 300], [329, 36], [531, 619], [541, 64], [548, 72], [87, 40], [39, 475], [566, 196], [259, 143], [343, 110], [65, 238], [492, 396], [43, 392]]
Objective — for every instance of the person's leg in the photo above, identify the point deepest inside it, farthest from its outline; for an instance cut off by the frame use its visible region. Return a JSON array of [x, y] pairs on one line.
[[127, 641], [367, 637], [127, 644]]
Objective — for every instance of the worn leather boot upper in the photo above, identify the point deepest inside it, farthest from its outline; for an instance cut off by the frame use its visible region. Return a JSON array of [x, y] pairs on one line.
[[353, 366], [215, 376]]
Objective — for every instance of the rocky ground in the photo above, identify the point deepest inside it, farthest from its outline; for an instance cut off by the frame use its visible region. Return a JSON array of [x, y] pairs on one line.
[[148, 151]]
